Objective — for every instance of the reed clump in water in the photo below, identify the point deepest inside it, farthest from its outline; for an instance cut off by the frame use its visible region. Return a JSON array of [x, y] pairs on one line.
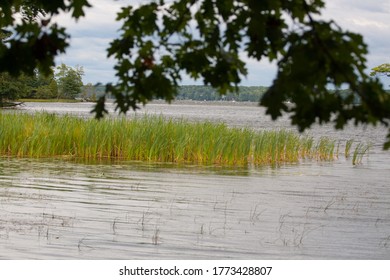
[[360, 150], [154, 139]]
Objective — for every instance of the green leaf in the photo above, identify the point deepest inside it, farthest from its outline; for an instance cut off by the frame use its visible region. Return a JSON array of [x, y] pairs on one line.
[[78, 7]]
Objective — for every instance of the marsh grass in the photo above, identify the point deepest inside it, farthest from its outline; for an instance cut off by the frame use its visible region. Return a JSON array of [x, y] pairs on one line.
[[154, 139], [360, 150], [348, 146]]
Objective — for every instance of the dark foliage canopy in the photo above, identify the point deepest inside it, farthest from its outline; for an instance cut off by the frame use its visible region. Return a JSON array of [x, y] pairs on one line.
[[161, 40]]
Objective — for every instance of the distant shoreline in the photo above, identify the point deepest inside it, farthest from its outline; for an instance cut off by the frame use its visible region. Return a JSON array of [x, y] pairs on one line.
[[54, 100], [156, 101]]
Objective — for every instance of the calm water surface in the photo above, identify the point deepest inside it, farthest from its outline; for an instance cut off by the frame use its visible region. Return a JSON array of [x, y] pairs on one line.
[[52, 209]]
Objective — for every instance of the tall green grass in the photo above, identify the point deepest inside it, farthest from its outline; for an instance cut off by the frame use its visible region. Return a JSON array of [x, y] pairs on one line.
[[154, 139]]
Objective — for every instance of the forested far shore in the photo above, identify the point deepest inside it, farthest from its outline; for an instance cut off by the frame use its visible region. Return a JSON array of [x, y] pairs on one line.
[[65, 83], [207, 93]]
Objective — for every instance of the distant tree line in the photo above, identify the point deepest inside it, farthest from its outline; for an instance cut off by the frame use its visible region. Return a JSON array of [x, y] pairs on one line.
[[245, 93], [64, 82], [207, 93], [202, 93]]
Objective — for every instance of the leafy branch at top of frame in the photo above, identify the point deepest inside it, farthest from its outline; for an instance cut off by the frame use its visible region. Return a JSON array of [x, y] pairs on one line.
[[322, 55], [34, 39]]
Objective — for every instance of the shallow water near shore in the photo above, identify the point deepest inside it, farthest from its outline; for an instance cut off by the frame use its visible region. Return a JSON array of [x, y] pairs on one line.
[[57, 209]]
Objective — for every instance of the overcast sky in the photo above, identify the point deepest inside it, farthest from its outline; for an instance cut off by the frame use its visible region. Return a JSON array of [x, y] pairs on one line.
[[91, 36]]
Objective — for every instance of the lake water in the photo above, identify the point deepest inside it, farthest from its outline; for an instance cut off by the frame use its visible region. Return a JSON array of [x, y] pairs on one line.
[[53, 209]]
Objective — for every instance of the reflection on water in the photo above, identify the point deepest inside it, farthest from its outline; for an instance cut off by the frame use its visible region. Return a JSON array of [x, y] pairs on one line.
[[53, 209]]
